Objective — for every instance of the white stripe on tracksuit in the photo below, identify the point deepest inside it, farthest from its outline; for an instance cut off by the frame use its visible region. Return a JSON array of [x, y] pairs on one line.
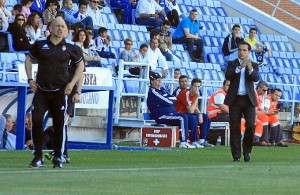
[[181, 123], [64, 127]]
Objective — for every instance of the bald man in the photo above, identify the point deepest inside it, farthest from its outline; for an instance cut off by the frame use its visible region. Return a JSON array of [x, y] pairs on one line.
[[51, 86]]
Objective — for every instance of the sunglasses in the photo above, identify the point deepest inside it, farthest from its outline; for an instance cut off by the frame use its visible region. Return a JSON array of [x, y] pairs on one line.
[[265, 90], [95, 2], [128, 43], [20, 19]]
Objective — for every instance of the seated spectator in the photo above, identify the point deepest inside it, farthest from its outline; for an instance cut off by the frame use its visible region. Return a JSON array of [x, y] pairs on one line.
[[217, 111], [127, 6], [4, 16], [82, 12], [231, 42], [142, 58], [162, 110], [28, 127], [187, 33], [187, 102], [2, 128], [38, 6], [21, 42], [173, 12], [177, 73], [183, 84], [102, 44], [154, 55], [147, 13], [50, 12], [9, 135], [81, 39], [17, 9], [26, 4], [128, 55], [161, 45], [67, 6], [94, 12], [33, 27], [258, 49]]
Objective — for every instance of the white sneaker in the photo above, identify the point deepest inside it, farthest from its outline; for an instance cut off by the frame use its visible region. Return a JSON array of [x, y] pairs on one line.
[[197, 145], [186, 145]]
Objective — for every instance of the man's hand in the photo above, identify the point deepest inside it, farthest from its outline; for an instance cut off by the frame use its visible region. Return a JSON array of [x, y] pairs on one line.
[[166, 72], [200, 118], [69, 89], [76, 98], [33, 86], [249, 64]]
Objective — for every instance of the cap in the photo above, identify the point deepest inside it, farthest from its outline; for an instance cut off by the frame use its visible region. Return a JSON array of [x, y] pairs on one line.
[[154, 75]]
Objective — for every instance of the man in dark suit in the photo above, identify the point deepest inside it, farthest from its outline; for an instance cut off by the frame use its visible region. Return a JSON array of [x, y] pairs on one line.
[[241, 101]]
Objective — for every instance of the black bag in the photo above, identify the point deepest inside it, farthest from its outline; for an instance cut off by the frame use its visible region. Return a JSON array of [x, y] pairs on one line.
[[4, 42]]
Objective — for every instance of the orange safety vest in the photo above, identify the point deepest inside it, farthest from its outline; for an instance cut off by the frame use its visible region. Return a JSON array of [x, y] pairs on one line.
[[212, 109]]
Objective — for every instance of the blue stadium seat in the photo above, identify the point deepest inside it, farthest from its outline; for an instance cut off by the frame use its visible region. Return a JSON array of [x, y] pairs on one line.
[[193, 65], [221, 75], [263, 38], [287, 63], [212, 58], [185, 56], [124, 34], [206, 10], [274, 46], [294, 63], [105, 18], [221, 19], [289, 47], [214, 75], [116, 35], [284, 38], [170, 64], [190, 74], [228, 20], [213, 11], [270, 37], [177, 64], [199, 73], [207, 41], [183, 71], [133, 36]]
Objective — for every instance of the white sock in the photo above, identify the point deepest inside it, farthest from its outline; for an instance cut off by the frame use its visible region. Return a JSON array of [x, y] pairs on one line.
[[201, 141]]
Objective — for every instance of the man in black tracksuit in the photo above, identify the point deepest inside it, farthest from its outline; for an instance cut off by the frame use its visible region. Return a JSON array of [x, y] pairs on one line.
[[52, 86]]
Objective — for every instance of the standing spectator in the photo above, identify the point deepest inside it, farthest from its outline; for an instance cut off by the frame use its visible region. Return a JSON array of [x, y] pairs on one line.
[[187, 33], [51, 86], [67, 6], [5, 15], [50, 12], [231, 42], [173, 12], [162, 110], [217, 111], [147, 13], [9, 135], [103, 44], [17, 9], [33, 27], [20, 39], [241, 100], [258, 49], [81, 39], [26, 4], [94, 12], [187, 102]]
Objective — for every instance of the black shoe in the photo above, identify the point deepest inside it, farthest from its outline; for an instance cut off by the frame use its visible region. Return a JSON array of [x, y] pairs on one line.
[[57, 163], [247, 157], [36, 163], [236, 160]]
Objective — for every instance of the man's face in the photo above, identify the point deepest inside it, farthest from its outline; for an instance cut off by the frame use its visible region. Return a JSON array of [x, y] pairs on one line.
[[156, 83], [194, 16], [94, 3], [144, 51], [236, 32], [276, 96], [183, 83], [262, 90], [82, 9], [195, 88], [103, 34], [69, 5], [226, 86], [243, 51], [176, 74], [252, 33], [165, 28], [58, 28], [9, 124], [154, 44]]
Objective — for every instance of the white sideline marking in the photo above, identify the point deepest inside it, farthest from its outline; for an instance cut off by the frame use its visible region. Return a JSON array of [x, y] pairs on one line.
[[51, 170]]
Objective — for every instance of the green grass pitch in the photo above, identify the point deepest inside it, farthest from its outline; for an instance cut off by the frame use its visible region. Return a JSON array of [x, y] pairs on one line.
[[272, 170]]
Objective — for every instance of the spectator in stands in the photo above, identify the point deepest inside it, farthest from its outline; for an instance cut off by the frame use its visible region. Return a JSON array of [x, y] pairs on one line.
[[183, 84], [258, 49], [231, 42], [187, 33], [127, 6], [9, 136], [103, 44], [275, 129], [5, 15], [82, 12], [26, 4], [173, 12], [162, 46], [52, 85], [20, 39], [81, 39], [177, 73], [128, 55], [162, 110], [28, 126], [2, 128], [38, 6], [17, 9], [143, 58], [33, 27], [187, 102], [67, 6], [217, 111], [147, 13], [94, 12], [154, 55], [50, 12]]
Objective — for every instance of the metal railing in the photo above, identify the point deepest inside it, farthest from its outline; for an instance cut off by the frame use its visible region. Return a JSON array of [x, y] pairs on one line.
[[278, 8]]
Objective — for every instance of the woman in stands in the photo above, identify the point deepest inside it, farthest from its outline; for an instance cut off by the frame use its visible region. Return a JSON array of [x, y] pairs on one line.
[[81, 39], [33, 27], [26, 4], [128, 55], [50, 12], [20, 40]]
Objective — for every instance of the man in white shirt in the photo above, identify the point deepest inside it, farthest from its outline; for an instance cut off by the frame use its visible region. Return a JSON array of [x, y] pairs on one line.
[[94, 12], [155, 55]]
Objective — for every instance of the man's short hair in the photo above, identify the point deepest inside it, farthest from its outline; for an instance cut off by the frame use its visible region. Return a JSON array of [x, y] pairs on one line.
[[102, 30], [262, 84], [193, 10], [18, 7], [143, 45], [245, 43], [183, 77], [252, 28], [276, 89], [195, 80], [167, 22], [224, 82], [235, 26], [153, 33], [176, 69], [65, 1], [83, 2]]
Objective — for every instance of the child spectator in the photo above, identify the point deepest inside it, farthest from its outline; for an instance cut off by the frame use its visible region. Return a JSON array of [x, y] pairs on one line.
[[26, 4], [50, 12], [102, 44], [82, 13]]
